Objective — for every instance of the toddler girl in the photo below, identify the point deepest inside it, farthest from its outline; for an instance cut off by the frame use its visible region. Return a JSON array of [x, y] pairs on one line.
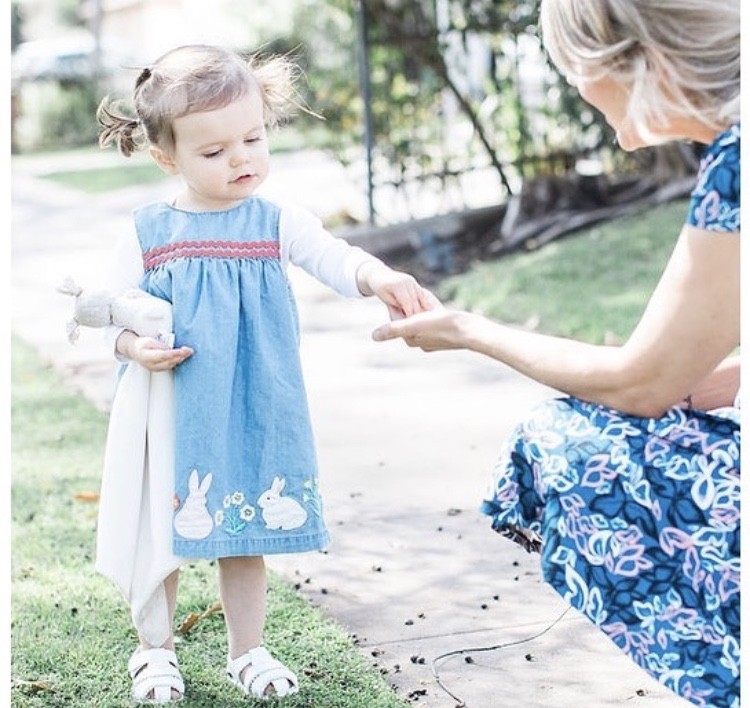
[[245, 477]]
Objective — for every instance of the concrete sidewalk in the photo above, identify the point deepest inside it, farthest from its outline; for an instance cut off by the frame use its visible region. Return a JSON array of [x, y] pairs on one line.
[[406, 443]]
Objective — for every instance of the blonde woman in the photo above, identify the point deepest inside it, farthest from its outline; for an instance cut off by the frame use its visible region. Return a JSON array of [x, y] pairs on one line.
[[629, 486]]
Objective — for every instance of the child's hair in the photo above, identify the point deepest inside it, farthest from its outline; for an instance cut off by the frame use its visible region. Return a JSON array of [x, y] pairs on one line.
[[678, 57], [191, 79]]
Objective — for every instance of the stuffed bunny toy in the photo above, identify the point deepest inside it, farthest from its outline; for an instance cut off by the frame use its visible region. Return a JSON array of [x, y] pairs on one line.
[[280, 512], [136, 310]]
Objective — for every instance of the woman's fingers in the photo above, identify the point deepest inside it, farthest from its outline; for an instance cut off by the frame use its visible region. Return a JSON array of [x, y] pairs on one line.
[[390, 330]]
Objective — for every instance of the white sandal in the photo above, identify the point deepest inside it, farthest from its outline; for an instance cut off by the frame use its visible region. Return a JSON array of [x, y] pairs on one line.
[[155, 672], [261, 671]]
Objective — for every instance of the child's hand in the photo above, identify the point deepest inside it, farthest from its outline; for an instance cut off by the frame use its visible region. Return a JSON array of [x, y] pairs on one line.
[[401, 293], [151, 353]]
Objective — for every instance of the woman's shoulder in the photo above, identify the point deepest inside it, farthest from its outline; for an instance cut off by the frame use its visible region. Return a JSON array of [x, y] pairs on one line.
[[715, 200], [722, 155], [724, 151]]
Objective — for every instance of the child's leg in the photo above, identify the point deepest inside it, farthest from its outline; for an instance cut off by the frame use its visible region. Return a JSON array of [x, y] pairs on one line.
[[242, 586]]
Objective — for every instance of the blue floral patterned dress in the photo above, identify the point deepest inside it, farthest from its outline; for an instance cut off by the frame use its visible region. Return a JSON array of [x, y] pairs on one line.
[[638, 519]]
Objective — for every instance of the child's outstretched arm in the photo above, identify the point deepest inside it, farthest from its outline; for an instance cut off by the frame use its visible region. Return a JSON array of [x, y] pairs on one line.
[[347, 269], [401, 293]]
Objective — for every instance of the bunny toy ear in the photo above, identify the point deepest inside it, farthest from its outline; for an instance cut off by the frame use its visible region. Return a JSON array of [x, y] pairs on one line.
[[193, 481], [69, 287], [278, 484]]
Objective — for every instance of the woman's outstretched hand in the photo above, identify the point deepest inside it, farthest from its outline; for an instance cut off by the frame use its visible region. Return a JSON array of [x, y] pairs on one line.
[[435, 330]]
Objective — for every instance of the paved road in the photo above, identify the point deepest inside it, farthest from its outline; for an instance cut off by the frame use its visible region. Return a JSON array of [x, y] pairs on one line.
[[406, 443]]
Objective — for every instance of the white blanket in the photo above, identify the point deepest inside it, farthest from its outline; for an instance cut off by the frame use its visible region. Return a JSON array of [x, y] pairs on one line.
[[134, 532]]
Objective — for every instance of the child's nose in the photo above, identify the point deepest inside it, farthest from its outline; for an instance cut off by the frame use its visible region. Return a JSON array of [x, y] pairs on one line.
[[240, 156]]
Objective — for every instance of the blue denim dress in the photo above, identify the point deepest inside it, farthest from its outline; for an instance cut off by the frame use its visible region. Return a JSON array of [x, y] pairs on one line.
[[246, 480]]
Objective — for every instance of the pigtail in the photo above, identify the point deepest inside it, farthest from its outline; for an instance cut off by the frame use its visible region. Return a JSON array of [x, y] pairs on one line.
[[124, 131], [278, 77]]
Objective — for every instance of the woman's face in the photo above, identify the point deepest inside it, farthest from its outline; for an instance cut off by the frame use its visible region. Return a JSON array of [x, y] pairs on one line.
[[611, 98]]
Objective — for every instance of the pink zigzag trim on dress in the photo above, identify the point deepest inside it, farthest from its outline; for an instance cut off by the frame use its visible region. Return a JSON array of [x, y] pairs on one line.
[[210, 249]]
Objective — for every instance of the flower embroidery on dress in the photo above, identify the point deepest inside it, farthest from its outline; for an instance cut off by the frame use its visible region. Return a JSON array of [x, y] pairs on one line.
[[236, 515], [311, 496]]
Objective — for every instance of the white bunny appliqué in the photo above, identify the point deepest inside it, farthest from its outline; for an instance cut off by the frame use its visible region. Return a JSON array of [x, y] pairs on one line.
[[193, 521], [280, 512]]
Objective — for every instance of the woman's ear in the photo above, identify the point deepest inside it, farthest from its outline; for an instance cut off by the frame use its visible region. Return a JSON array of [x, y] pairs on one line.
[[164, 160]]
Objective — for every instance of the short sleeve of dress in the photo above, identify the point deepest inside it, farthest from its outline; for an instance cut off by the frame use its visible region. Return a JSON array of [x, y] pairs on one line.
[[715, 201]]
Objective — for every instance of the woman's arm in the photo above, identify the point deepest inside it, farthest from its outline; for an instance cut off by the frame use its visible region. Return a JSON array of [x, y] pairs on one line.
[[719, 388], [689, 326]]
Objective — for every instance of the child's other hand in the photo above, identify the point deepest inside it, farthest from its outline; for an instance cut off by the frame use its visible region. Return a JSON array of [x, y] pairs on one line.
[[150, 353], [157, 356], [401, 293]]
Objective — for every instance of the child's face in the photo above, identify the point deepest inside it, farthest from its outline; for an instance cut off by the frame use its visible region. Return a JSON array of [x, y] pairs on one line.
[[222, 155]]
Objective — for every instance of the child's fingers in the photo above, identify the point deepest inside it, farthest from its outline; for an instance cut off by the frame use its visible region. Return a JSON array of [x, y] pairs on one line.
[[398, 301], [165, 359], [395, 312], [419, 299], [428, 300], [177, 356], [408, 298]]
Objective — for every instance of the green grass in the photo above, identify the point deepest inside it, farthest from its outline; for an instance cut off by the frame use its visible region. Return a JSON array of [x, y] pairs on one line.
[[71, 635], [96, 171], [106, 179], [592, 285]]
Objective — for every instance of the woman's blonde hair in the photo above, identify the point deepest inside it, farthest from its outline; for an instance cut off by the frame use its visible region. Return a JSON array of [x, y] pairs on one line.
[[677, 57], [191, 79]]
